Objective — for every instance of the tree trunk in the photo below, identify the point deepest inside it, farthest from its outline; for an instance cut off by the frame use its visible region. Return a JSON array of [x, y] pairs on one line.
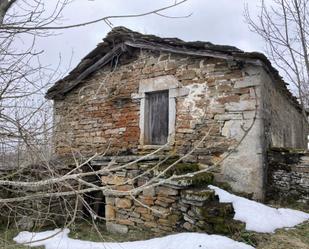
[[5, 5]]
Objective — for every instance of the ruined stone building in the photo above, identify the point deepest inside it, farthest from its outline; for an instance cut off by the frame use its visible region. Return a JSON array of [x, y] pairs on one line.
[[134, 93]]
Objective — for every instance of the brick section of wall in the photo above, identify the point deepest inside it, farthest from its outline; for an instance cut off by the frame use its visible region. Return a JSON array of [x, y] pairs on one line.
[[288, 175], [180, 205]]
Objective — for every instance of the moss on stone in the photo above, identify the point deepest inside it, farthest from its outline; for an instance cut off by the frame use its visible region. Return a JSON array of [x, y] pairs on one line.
[[198, 195], [174, 218], [204, 194], [214, 211], [223, 185], [198, 180], [178, 169], [202, 179], [221, 228]]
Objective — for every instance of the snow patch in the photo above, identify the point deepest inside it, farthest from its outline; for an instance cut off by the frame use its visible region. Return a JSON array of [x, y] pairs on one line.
[[259, 217], [58, 239]]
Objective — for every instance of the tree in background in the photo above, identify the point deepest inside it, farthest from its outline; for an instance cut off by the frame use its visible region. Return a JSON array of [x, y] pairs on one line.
[[29, 182], [25, 116], [284, 26]]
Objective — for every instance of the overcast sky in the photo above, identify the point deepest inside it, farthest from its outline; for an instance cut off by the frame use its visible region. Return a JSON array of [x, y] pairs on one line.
[[217, 21]]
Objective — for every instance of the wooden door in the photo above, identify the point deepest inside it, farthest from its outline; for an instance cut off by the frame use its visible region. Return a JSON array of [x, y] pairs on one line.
[[156, 118]]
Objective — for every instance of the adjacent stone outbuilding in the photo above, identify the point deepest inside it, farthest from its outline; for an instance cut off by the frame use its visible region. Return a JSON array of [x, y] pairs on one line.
[[134, 92]]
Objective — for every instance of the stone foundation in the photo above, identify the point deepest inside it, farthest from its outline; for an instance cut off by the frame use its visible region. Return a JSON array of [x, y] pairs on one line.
[[288, 175], [183, 205]]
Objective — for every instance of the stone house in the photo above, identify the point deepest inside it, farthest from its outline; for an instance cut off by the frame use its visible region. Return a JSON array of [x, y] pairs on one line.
[[217, 105]]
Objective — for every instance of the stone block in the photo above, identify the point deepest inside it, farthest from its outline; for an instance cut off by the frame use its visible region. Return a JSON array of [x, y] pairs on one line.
[[228, 99], [161, 203], [188, 219], [135, 215], [243, 105], [188, 226], [147, 217], [116, 228], [198, 195], [149, 192], [137, 220], [161, 211], [123, 203], [150, 224], [124, 187], [166, 191], [141, 210], [166, 199], [216, 109], [187, 75], [113, 180], [126, 222], [110, 200], [147, 200], [110, 213], [248, 81], [163, 222], [228, 116]]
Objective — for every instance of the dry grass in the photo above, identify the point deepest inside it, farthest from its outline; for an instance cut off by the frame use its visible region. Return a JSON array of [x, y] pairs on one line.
[[296, 238], [81, 231]]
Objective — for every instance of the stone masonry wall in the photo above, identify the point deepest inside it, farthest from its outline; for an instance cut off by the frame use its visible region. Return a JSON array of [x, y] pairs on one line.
[[183, 205], [284, 124], [222, 100], [288, 175]]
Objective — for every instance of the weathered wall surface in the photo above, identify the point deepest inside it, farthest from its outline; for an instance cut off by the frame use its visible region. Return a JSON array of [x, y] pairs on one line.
[[221, 100], [284, 123], [288, 175]]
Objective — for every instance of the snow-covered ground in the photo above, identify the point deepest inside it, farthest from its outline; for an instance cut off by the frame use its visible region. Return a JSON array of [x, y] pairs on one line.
[[258, 217], [177, 241]]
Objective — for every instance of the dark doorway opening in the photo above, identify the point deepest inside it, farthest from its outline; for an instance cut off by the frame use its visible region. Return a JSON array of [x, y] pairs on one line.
[[94, 202]]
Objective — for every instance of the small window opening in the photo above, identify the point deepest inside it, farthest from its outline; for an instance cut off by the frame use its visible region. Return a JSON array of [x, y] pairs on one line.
[[156, 117]]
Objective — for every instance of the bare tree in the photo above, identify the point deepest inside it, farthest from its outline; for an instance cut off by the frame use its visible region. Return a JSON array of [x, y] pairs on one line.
[[284, 26], [26, 173], [23, 78]]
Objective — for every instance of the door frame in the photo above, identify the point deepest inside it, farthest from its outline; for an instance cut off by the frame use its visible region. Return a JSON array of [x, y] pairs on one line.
[[160, 83]]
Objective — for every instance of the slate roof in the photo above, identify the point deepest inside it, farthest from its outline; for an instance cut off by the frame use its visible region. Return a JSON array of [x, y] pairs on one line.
[[119, 39]]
